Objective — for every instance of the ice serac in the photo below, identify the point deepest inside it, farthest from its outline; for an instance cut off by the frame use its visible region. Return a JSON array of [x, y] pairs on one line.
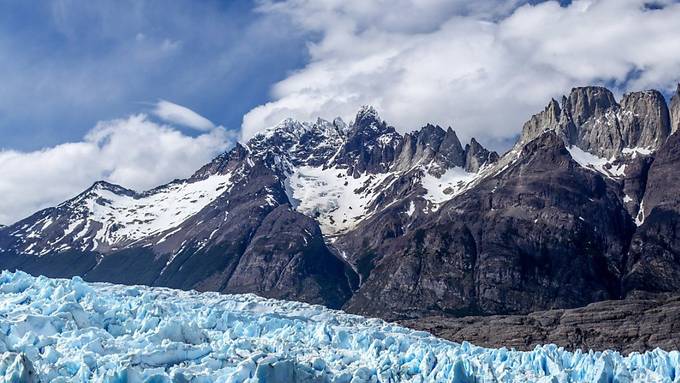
[[68, 330]]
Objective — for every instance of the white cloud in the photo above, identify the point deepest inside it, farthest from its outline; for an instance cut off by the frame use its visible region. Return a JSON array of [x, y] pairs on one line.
[[483, 67], [181, 115], [134, 152]]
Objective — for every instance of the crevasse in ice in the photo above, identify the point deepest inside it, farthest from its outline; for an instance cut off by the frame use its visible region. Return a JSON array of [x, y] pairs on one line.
[[58, 330]]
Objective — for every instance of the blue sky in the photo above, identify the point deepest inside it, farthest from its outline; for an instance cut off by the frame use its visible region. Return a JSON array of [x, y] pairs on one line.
[[64, 65], [140, 92]]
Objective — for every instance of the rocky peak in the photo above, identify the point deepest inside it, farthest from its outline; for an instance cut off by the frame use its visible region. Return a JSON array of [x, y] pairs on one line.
[[431, 146], [297, 143], [371, 144], [367, 116], [591, 119], [368, 126], [104, 186], [675, 110], [476, 156], [223, 163], [316, 145], [451, 151], [548, 119], [645, 119], [288, 127], [586, 102], [340, 124], [99, 191]]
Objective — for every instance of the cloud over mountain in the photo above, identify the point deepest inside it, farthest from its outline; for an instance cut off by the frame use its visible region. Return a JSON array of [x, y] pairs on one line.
[[481, 68], [135, 152], [178, 114]]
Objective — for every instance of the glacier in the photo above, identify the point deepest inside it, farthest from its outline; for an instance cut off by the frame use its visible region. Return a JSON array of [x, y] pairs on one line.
[[67, 330]]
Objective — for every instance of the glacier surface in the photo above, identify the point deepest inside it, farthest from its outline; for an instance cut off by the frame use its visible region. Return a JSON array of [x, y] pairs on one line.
[[58, 330]]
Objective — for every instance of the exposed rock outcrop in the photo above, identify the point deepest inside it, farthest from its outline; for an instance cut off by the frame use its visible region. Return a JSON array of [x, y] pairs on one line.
[[634, 324], [591, 119]]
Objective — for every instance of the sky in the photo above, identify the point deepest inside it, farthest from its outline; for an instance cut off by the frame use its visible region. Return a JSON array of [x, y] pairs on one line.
[[141, 92]]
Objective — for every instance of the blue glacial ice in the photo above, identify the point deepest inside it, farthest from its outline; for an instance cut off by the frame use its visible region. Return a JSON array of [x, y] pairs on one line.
[[58, 330]]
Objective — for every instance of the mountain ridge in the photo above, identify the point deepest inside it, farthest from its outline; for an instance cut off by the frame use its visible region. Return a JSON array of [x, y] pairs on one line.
[[394, 225]]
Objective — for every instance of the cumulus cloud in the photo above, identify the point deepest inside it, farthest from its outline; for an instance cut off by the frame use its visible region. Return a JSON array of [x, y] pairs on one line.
[[482, 67], [178, 114], [134, 152]]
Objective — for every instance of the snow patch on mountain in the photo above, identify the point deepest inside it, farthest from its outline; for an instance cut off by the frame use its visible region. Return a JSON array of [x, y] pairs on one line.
[[337, 200], [61, 330], [638, 150], [640, 217], [411, 209], [454, 181], [131, 218], [108, 215], [601, 165]]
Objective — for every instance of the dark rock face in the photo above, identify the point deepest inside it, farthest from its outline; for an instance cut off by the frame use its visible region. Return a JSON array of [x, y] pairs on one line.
[[654, 258], [288, 259], [634, 324], [634, 183], [512, 244], [645, 119]]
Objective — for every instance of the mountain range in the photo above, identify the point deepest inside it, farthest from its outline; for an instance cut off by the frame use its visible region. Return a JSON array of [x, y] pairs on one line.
[[584, 208]]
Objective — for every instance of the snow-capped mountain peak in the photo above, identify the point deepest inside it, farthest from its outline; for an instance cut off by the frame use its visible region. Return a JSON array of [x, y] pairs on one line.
[[366, 115], [338, 175], [108, 216]]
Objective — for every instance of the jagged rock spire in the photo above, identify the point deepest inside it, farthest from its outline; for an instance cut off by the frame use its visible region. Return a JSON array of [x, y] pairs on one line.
[[476, 156], [675, 110], [548, 119], [451, 151], [366, 116]]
